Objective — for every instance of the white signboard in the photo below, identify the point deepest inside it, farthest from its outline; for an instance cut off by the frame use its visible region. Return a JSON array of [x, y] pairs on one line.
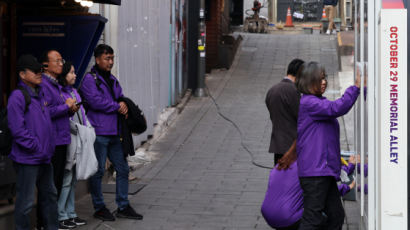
[[393, 119]]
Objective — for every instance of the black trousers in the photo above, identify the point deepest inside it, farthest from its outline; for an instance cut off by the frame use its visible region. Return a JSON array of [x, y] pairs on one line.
[[323, 207], [59, 159], [276, 157], [294, 226]]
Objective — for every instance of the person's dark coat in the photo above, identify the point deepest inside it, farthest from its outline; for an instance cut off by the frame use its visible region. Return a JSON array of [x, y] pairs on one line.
[[330, 2], [282, 101], [135, 123]]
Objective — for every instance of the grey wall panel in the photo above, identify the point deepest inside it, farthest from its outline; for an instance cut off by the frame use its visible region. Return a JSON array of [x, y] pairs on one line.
[[143, 43], [164, 59]]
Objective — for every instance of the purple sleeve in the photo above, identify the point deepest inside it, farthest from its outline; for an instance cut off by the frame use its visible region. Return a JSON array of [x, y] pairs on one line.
[[345, 168], [320, 109], [58, 111], [16, 122], [95, 99], [343, 189], [55, 110], [365, 169], [365, 189], [119, 89], [350, 168]]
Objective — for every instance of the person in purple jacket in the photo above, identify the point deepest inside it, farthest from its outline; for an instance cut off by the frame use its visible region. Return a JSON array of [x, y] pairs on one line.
[[60, 110], [347, 170], [67, 215], [318, 148], [100, 91], [32, 147]]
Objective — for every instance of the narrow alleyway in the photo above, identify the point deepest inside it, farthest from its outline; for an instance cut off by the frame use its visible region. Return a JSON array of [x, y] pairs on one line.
[[204, 178]]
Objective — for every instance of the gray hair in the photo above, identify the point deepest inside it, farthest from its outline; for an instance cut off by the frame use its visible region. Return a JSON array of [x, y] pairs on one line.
[[310, 78]]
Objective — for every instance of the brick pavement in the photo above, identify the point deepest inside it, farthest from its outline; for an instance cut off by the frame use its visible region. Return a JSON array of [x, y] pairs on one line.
[[204, 178]]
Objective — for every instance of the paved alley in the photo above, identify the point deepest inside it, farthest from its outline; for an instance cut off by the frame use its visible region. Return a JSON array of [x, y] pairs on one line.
[[204, 178]]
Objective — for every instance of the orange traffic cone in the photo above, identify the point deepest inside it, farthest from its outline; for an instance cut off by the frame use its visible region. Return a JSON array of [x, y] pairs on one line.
[[289, 22], [324, 14]]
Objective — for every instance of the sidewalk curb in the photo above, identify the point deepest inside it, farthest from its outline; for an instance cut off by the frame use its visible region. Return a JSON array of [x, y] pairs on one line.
[[165, 119]]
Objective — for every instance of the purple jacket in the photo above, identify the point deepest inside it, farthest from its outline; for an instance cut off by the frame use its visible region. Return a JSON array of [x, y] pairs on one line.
[[365, 169], [349, 168], [366, 188], [318, 144], [59, 110], [32, 130], [102, 107], [67, 90], [343, 189], [283, 204]]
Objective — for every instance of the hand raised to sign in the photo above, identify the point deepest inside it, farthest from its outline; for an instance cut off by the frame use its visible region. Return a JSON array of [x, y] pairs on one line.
[[358, 77]]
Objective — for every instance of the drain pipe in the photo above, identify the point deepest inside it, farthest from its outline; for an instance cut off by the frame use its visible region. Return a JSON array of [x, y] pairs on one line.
[[200, 91], [180, 47], [170, 67], [172, 57]]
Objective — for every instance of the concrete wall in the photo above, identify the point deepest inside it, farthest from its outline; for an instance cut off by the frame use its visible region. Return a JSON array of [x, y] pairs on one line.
[[143, 45], [139, 33]]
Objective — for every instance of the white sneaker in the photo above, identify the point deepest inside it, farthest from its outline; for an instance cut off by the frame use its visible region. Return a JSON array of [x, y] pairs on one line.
[[328, 32], [334, 32]]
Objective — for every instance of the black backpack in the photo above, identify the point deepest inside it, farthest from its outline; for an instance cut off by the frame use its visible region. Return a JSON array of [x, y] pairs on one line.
[[5, 134]]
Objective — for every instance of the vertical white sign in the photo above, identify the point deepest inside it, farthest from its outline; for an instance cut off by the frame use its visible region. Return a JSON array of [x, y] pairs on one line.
[[393, 119]]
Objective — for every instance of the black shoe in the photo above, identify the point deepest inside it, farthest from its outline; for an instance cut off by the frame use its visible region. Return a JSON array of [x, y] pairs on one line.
[[104, 214], [128, 212], [78, 221], [66, 224]]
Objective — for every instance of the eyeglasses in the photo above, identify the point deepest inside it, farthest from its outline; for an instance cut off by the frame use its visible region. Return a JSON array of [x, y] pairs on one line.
[[58, 61]]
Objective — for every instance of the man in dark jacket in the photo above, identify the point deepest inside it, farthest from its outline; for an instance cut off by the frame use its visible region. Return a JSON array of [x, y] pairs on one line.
[[330, 9], [32, 146], [101, 92], [282, 101]]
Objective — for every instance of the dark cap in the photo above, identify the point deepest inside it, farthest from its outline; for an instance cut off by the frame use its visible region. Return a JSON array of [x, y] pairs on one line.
[[28, 61]]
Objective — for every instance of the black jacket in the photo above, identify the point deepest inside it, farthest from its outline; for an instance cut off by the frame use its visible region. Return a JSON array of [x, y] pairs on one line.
[[135, 123], [282, 101], [330, 2]]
